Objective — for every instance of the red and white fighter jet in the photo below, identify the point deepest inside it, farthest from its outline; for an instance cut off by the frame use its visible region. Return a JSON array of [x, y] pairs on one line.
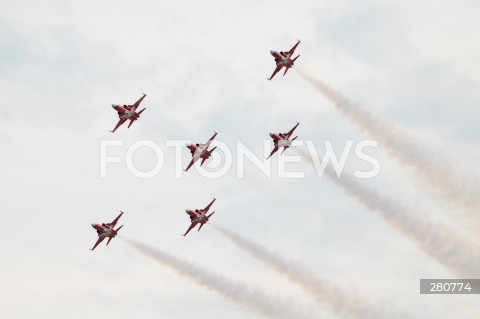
[[199, 216], [200, 151], [128, 112], [282, 140], [105, 230], [284, 59]]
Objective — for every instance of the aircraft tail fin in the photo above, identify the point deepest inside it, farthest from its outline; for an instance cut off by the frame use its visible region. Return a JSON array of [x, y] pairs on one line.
[[131, 122], [141, 111], [286, 70], [201, 225], [295, 58], [293, 139], [118, 228], [108, 242], [208, 216]]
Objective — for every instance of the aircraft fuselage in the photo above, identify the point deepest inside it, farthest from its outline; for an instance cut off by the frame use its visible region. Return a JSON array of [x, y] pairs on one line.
[[125, 112], [281, 140], [103, 230], [281, 58], [198, 150], [197, 216]]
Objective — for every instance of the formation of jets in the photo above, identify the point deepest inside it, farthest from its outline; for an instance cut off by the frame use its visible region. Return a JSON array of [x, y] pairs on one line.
[[198, 151]]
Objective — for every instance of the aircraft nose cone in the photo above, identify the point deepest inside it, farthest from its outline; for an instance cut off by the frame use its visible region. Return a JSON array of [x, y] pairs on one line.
[[93, 225], [272, 52], [271, 134], [113, 105]]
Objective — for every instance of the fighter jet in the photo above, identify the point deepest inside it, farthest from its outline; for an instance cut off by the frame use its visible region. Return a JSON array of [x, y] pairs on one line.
[[284, 59], [200, 151], [128, 112], [105, 230], [199, 216], [282, 140]]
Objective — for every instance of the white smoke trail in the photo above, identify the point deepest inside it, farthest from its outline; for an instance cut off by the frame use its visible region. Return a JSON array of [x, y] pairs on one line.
[[250, 297], [449, 183], [343, 301], [452, 249]]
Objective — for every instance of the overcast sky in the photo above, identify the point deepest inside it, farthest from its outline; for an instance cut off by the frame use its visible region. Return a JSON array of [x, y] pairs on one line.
[[204, 65]]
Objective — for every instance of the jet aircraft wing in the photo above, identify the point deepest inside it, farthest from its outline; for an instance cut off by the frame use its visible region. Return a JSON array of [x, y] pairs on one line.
[[278, 68], [290, 53], [115, 221], [190, 228], [120, 122], [207, 144], [291, 131], [100, 239], [137, 104], [209, 205]]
